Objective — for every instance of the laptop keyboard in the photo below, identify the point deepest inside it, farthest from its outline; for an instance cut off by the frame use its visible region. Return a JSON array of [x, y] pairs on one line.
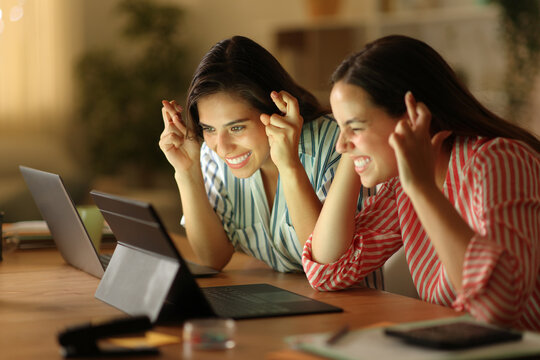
[[233, 302]]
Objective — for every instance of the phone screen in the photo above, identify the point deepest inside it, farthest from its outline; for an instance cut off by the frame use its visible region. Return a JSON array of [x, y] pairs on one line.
[[456, 335]]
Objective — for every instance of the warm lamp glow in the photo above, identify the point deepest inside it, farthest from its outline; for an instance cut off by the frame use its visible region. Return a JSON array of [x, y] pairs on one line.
[[16, 13]]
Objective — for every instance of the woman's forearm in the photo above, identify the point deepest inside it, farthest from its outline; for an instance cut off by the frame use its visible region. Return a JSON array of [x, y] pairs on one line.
[[334, 229], [302, 202], [204, 229], [448, 232]]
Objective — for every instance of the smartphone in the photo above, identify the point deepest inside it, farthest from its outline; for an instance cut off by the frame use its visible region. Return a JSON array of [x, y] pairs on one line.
[[458, 335]]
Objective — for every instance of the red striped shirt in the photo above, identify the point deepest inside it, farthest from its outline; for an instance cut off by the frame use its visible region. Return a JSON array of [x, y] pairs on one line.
[[494, 185]]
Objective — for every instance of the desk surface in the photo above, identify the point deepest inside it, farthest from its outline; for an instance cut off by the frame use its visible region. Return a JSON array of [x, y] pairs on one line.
[[40, 295]]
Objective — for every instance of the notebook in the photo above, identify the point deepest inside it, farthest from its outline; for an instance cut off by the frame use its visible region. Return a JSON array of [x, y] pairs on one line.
[[147, 275], [66, 227]]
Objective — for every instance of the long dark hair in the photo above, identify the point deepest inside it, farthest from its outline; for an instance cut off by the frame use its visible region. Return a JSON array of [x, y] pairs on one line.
[[390, 66], [241, 66]]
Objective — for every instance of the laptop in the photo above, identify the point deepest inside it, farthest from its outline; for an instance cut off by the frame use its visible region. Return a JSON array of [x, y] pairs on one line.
[[147, 275], [66, 227]]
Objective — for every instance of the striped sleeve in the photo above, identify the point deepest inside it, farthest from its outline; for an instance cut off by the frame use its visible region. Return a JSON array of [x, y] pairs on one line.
[[327, 157], [501, 274], [377, 237]]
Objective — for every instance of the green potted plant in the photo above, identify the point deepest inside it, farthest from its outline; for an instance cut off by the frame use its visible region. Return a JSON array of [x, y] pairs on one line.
[[120, 100], [520, 20]]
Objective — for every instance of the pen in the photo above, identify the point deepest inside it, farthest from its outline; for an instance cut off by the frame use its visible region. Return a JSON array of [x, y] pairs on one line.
[[335, 337]]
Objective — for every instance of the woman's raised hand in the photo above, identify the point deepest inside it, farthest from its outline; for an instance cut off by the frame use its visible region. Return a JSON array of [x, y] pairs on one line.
[[283, 130], [179, 146], [416, 150]]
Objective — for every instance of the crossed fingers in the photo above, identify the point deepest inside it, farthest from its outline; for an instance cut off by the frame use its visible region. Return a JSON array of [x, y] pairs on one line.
[[175, 130], [290, 112]]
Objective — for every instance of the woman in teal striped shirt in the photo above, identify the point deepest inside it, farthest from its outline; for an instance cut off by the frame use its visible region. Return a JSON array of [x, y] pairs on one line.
[[266, 161]]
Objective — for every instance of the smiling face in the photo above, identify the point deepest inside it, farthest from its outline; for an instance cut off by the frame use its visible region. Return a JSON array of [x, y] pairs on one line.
[[232, 128], [364, 132]]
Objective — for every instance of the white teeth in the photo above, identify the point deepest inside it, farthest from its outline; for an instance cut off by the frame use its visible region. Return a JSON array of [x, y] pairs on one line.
[[361, 162], [238, 160]]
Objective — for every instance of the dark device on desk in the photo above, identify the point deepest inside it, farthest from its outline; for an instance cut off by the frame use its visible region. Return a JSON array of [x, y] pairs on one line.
[[82, 340], [457, 335], [147, 275]]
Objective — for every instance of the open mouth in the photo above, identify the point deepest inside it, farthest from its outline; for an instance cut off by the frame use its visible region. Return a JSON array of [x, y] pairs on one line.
[[238, 161], [360, 164]]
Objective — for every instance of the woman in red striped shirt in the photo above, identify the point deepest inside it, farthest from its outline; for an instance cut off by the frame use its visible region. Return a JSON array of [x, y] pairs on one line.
[[458, 187]]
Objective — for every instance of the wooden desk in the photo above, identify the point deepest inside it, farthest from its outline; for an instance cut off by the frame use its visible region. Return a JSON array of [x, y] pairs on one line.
[[40, 295]]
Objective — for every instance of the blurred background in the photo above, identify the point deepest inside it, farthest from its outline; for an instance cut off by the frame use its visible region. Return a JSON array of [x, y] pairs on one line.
[[81, 80]]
